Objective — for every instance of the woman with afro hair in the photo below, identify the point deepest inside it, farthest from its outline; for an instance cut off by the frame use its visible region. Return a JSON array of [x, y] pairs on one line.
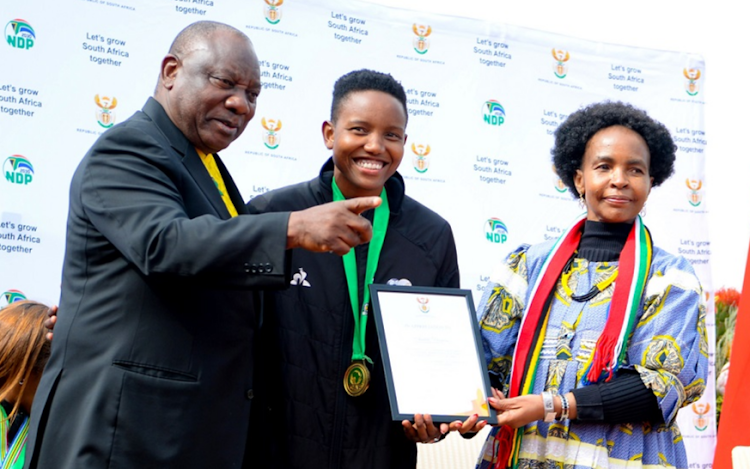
[[595, 340]]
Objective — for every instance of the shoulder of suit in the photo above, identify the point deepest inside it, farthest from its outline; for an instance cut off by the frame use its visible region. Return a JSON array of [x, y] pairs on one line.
[[139, 137], [136, 128]]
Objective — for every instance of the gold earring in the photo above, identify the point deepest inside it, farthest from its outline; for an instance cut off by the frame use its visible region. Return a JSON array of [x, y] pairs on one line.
[[643, 211], [582, 201]]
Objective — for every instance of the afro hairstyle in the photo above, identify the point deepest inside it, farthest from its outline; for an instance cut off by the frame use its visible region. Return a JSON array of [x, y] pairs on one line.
[[572, 136]]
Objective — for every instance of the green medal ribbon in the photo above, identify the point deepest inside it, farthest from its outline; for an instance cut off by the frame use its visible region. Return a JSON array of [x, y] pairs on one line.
[[379, 227]]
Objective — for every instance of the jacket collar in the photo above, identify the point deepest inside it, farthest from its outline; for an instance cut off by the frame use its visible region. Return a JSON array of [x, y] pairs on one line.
[[155, 111], [394, 187], [177, 139]]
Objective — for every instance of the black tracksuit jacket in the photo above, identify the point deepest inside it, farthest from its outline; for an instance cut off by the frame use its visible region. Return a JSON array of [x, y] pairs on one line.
[[303, 417]]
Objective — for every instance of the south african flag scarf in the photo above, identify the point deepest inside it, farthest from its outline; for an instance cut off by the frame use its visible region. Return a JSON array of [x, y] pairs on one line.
[[609, 353], [12, 452]]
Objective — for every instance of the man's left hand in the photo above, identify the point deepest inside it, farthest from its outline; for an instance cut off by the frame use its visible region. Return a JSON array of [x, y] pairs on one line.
[[49, 323]]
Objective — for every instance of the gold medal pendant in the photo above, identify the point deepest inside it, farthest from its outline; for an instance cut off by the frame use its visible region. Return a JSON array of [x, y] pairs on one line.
[[356, 379]]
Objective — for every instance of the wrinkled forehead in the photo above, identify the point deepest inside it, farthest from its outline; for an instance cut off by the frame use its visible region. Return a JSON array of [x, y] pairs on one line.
[[235, 56], [221, 45]]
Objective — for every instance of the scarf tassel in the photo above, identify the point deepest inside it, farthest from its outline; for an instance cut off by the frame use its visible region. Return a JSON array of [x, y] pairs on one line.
[[504, 442], [602, 358]]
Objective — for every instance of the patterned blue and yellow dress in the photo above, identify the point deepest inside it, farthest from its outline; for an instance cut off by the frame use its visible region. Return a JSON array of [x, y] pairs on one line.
[[668, 350]]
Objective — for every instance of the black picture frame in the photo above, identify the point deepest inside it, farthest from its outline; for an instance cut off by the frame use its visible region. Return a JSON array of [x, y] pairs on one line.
[[376, 292]]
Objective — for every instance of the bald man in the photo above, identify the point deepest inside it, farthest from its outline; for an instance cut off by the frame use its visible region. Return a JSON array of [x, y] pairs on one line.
[[152, 360]]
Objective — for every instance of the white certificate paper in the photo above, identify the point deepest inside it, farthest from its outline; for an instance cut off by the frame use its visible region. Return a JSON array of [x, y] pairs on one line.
[[432, 355]]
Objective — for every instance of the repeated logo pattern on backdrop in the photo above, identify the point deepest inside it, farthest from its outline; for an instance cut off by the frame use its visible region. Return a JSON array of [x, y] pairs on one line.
[[105, 115], [272, 11], [271, 138], [692, 75], [11, 296], [559, 184], [561, 67], [420, 161], [694, 197], [494, 113], [701, 419], [20, 34], [18, 170], [422, 41], [495, 231]]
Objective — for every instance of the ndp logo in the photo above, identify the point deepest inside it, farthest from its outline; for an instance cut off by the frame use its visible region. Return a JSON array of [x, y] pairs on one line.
[[20, 34], [18, 170], [494, 113], [11, 296], [495, 231]]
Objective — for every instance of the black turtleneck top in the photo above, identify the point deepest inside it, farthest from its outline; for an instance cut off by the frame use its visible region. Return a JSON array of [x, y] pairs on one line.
[[625, 398], [602, 242]]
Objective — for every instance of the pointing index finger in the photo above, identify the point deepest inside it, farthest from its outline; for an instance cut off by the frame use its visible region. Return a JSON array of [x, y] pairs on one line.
[[362, 204]]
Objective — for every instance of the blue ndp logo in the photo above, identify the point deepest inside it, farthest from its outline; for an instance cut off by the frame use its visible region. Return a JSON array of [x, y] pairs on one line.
[[20, 34], [494, 113], [495, 231], [18, 170]]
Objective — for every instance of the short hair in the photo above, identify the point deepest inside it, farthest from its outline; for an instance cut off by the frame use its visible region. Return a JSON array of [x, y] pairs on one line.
[[198, 31], [24, 349], [575, 132], [366, 80]]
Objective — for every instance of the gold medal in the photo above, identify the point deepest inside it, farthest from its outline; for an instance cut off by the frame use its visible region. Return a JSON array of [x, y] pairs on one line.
[[356, 379]]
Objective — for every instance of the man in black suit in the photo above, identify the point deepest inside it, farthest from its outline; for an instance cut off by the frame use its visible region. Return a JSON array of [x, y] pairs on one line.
[[152, 360]]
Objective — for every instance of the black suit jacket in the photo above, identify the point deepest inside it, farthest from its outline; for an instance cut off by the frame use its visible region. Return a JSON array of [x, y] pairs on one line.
[[152, 360]]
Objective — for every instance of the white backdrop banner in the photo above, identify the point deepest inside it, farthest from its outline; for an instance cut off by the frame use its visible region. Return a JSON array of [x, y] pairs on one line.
[[484, 100]]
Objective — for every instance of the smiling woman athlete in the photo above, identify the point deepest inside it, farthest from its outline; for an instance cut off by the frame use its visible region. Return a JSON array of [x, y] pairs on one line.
[[314, 333]]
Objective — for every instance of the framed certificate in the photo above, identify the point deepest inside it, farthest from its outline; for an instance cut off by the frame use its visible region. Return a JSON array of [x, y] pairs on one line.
[[432, 353]]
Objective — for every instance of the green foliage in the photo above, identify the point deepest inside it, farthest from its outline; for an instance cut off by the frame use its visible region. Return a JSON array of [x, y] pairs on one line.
[[719, 401]]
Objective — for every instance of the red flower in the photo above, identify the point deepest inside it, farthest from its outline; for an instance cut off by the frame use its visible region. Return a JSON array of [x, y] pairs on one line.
[[727, 297]]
